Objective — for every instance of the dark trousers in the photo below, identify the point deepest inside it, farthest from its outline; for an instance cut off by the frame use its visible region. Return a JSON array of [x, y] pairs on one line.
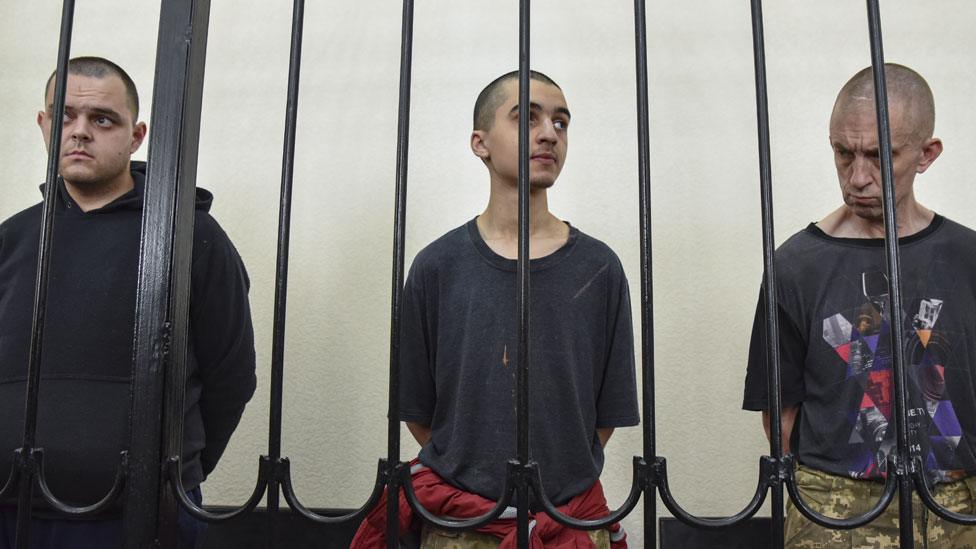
[[92, 534]]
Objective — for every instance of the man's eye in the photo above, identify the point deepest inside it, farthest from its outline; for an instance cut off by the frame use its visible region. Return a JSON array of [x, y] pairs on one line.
[[103, 121], [560, 124]]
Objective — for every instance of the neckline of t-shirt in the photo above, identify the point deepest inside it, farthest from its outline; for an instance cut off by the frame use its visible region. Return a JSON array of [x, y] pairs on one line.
[[506, 264], [937, 222]]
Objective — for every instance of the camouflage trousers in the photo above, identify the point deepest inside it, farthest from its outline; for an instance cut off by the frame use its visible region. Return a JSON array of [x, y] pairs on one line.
[[840, 497], [434, 538]]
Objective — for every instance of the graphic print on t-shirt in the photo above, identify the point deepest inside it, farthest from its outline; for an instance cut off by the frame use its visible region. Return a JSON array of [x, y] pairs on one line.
[[861, 338]]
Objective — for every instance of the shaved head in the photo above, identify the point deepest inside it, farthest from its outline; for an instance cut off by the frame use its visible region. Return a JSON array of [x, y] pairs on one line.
[[909, 96], [494, 95], [99, 67]]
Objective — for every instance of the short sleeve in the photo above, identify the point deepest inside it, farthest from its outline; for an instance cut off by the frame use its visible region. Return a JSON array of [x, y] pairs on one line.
[[792, 356], [417, 389], [617, 399]]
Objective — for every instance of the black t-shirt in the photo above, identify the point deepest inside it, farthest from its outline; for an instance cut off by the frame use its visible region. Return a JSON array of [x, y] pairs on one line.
[[459, 354], [836, 351]]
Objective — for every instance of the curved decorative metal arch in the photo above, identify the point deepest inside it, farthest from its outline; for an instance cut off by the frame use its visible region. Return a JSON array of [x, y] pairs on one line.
[[640, 479], [890, 488], [88, 510], [288, 491], [925, 494], [661, 476], [173, 470], [508, 488], [13, 478]]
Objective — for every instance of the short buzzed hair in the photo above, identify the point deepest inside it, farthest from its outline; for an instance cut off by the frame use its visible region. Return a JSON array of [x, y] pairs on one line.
[[99, 67], [906, 89], [493, 96]]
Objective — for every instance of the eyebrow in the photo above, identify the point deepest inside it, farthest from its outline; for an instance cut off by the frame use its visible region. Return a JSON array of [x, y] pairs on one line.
[[94, 110], [535, 106]]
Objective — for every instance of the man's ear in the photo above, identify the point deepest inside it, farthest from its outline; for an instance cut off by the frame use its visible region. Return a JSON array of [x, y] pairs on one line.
[[45, 132], [138, 135], [478, 145], [930, 151]]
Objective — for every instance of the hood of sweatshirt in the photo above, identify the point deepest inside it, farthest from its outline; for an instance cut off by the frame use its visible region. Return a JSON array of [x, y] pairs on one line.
[[131, 200]]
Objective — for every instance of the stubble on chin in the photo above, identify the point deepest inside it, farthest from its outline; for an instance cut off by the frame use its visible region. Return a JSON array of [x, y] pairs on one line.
[[873, 214]]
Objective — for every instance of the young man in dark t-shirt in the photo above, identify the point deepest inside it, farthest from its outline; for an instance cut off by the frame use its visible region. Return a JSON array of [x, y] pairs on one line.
[[458, 343], [834, 317]]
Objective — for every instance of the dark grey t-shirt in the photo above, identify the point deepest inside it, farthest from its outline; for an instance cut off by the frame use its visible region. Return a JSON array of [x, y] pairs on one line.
[[836, 355], [459, 354]]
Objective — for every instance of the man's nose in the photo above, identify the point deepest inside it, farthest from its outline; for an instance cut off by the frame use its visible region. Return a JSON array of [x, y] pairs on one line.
[[546, 132], [78, 129], [863, 172]]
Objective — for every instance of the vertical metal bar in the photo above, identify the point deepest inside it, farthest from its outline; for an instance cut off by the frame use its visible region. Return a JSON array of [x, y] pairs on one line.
[[281, 274], [647, 283], [904, 465], [773, 381], [399, 245], [45, 247], [162, 301], [522, 269]]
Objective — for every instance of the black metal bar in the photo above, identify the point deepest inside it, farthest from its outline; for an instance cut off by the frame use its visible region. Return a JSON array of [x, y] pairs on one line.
[[84, 511], [925, 494], [159, 348], [637, 485], [904, 463], [452, 524], [887, 495], [281, 273], [355, 516], [646, 271], [45, 247], [679, 513], [174, 468], [773, 383], [522, 297], [399, 245]]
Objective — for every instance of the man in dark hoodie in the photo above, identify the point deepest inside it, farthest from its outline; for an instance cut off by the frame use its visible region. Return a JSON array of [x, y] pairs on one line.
[[86, 367]]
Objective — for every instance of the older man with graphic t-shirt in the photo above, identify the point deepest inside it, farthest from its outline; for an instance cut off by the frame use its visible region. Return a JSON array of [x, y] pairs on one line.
[[834, 316]]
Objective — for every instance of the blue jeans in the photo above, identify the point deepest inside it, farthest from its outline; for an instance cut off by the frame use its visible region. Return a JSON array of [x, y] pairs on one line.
[[92, 534]]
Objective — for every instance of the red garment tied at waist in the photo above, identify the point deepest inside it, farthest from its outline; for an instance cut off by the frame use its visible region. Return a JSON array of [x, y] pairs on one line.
[[444, 500]]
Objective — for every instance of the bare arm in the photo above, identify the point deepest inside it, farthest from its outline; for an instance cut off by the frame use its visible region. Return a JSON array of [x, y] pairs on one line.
[[604, 434], [787, 418], [420, 432]]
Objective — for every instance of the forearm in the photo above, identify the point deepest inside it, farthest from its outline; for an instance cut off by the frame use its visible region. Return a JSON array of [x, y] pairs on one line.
[[787, 419], [421, 433]]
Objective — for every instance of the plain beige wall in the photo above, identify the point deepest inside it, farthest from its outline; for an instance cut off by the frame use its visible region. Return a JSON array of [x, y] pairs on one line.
[[706, 233]]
